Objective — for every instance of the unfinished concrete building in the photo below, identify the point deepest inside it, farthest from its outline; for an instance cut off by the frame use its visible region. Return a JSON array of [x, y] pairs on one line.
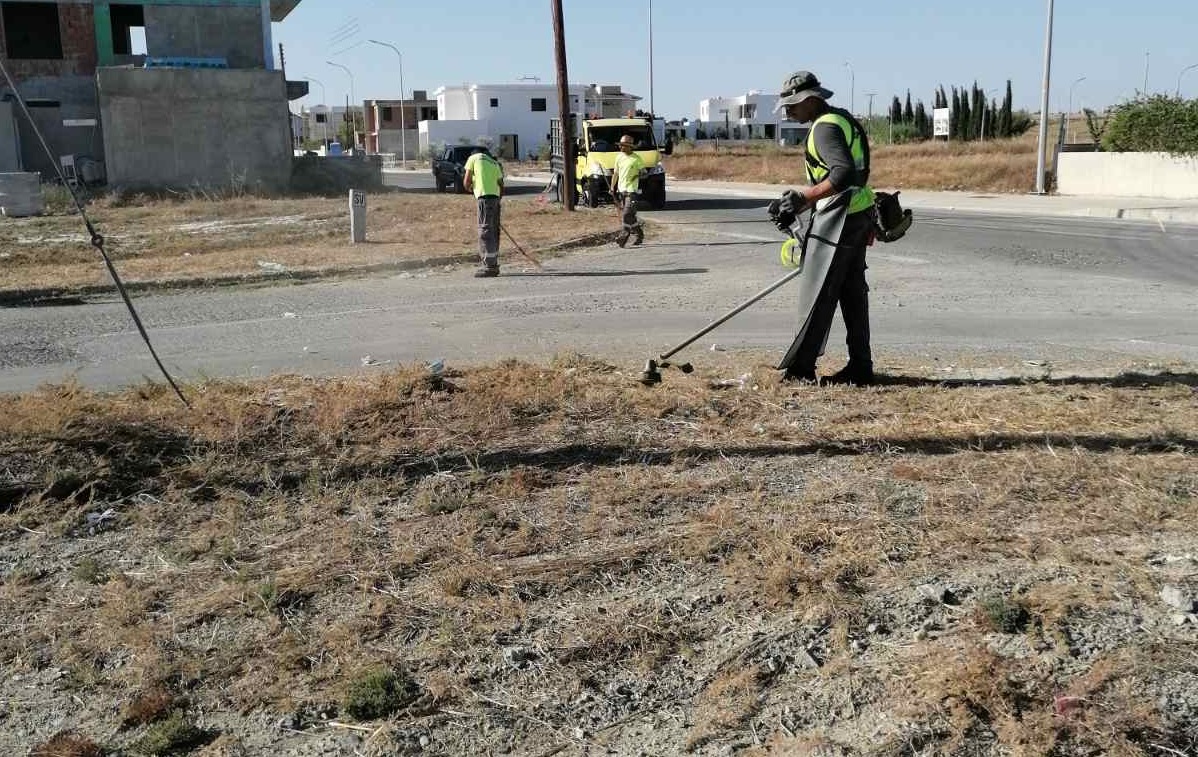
[[201, 103]]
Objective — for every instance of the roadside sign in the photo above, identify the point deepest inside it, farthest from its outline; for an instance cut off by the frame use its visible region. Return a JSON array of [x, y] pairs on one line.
[[940, 118]]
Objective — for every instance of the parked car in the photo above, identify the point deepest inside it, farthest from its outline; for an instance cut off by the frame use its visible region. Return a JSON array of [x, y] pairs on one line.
[[449, 168]]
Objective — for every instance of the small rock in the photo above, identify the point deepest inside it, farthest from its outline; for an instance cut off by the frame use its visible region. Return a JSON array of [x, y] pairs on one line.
[[425, 740], [289, 315], [921, 634], [937, 593], [1178, 598], [1181, 618]]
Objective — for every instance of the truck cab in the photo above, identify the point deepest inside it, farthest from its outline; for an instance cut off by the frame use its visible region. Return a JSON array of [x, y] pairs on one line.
[[596, 151]]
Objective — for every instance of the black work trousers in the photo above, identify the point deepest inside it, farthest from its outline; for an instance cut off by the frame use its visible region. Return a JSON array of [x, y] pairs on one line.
[[844, 285]]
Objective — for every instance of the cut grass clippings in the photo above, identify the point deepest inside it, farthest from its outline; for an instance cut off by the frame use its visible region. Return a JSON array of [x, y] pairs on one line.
[[546, 557], [164, 240]]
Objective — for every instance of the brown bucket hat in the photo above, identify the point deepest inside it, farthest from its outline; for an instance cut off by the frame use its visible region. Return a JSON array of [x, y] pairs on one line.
[[798, 87], [628, 140]]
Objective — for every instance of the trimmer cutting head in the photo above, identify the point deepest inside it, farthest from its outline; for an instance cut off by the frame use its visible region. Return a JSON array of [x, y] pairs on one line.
[[652, 373]]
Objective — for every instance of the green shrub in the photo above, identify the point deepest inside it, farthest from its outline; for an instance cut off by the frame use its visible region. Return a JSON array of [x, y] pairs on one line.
[[1002, 614], [1157, 123], [173, 735], [380, 693]]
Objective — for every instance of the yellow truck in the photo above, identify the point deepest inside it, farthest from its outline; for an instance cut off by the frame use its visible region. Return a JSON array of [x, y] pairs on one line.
[[596, 150]]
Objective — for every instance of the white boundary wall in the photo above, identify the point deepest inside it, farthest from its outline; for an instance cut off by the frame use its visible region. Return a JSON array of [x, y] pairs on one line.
[[1127, 174]]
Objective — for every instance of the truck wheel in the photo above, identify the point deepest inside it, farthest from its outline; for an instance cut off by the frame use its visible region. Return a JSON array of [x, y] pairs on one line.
[[440, 184], [589, 197], [459, 187], [657, 200]]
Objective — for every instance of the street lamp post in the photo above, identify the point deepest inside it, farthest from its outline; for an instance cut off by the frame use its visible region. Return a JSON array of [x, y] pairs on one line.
[[1069, 116], [353, 98], [1147, 56], [1187, 68], [403, 139], [324, 127], [852, 88], [1043, 137]]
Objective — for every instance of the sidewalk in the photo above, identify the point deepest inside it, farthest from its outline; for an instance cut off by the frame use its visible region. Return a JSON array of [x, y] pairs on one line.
[[1132, 208], [1136, 208]]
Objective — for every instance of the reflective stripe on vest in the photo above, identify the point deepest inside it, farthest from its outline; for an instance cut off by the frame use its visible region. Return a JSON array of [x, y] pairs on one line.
[[817, 169]]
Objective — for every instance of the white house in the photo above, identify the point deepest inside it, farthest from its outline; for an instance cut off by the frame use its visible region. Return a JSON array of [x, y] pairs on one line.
[[513, 118], [747, 116]]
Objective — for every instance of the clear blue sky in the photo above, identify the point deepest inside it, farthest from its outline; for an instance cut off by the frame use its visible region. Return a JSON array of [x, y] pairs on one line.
[[703, 48]]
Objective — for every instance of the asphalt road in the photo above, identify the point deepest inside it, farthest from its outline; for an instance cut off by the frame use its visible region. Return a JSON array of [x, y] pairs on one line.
[[1058, 291]]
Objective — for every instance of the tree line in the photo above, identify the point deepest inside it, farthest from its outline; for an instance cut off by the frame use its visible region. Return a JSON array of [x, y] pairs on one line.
[[971, 116]]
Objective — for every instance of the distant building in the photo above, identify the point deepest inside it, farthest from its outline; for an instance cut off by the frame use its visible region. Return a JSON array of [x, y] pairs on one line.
[[150, 93], [514, 118], [747, 116], [323, 123], [392, 125]]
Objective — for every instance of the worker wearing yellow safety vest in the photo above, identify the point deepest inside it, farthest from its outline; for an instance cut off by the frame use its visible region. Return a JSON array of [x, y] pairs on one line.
[[484, 176], [837, 161], [627, 179]]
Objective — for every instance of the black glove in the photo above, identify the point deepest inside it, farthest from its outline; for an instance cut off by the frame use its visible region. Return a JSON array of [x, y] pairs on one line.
[[782, 219], [792, 203]]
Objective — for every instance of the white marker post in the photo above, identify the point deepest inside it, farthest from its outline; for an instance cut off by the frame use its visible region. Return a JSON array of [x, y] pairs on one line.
[[357, 215]]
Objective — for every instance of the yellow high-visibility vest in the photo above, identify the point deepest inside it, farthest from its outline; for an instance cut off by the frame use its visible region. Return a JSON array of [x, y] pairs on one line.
[[818, 170]]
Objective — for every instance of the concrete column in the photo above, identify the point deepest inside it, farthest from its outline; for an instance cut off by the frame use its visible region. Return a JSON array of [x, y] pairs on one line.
[[268, 47], [103, 22]]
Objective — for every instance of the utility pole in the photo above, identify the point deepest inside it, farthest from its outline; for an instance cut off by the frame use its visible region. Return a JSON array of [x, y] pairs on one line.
[[652, 110], [870, 95], [1042, 144], [1147, 55], [563, 105]]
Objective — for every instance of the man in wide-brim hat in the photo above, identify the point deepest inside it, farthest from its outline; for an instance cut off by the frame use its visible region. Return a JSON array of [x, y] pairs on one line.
[[627, 178], [842, 226]]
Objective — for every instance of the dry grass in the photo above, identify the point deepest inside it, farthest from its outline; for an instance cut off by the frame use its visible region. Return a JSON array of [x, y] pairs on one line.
[[559, 553], [993, 166], [161, 239]]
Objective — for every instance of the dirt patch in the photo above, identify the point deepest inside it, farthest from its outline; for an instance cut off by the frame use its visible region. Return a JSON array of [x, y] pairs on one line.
[[195, 239], [553, 559]]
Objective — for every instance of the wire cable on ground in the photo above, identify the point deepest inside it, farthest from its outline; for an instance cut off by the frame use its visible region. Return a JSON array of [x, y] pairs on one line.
[[97, 240]]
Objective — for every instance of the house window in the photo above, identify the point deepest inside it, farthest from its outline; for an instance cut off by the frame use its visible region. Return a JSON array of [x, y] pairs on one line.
[[494, 102], [128, 29], [748, 111], [321, 118], [31, 31], [387, 113], [538, 104]]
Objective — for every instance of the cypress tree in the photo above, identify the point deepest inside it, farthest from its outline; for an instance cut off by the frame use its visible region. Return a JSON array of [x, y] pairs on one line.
[[977, 112], [921, 121], [896, 110], [954, 121], [908, 114], [1004, 118], [966, 121]]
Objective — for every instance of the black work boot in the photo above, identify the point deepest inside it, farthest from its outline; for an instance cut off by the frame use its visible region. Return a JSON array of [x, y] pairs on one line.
[[639, 231], [800, 376], [853, 374], [487, 271], [622, 237]]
